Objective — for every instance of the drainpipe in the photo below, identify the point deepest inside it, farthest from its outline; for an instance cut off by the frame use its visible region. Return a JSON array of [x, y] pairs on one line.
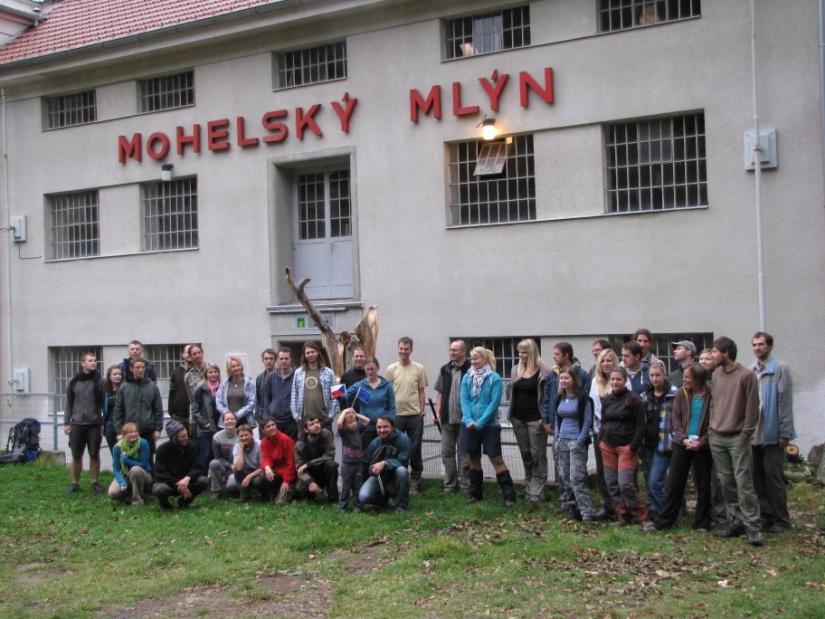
[[7, 220], [757, 178], [822, 82]]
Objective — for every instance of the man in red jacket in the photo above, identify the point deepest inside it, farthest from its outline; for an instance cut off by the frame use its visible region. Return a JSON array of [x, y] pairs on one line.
[[278, 460]]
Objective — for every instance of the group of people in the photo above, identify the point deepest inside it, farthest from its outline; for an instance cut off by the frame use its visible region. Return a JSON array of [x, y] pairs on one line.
[[727, 423]]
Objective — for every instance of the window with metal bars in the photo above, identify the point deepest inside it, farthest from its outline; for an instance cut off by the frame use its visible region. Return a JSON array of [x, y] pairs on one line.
[[656, 164], [166, 358], [300, 67], [73, 225], [66, 363], [662, 345], [166, 92], [170, 214], [504, 350], [492, 198], [487, 33], [69, 110], [624, 14]]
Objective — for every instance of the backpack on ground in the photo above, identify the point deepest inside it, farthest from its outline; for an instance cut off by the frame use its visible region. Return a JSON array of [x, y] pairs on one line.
[[23, 444]]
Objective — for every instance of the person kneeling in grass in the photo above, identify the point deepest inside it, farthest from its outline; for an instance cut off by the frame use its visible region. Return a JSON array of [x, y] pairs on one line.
[[388, 455], [315, 463], [178, 468], [278, 461], [131, 465], [248, 474]]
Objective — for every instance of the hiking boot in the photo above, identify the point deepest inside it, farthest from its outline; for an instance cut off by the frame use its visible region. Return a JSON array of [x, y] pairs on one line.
[[476, 489], [733, 531], [165, 505], [73, 488], [96, 487], [755, 539], [505, 482], [137, 502], [648, 526]]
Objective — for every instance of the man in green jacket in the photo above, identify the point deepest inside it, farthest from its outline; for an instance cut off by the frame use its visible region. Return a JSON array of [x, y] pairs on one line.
[[139, 401]]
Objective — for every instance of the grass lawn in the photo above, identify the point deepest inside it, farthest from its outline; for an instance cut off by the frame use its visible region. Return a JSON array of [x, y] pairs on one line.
[[83, 555]]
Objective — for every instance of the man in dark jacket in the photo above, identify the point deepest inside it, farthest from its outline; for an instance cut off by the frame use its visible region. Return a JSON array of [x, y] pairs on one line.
[[178, 470], [277, 395], [178, 393], [83, 420], [268, 357], [388, 456], [315, 462], [448, 412], [136, 350], [139, 401]]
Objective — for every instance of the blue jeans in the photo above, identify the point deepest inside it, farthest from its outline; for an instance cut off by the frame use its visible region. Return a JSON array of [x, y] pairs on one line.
[[370, 491], [656, 482]]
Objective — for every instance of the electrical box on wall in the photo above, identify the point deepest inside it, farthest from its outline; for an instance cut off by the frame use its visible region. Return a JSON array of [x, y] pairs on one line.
[[22, 380], [17, 223], [767, 148]]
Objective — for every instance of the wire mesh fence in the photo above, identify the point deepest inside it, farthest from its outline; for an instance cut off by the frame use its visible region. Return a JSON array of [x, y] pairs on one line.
[[46, 408]]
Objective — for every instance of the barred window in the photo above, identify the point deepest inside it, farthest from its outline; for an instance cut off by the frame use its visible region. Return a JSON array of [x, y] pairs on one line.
[[656, 164], [504, 349], [623, 14], [477, 197], [66, 363], [167, 92], [662, 344], [488, 33], [170, 214], [73, 224], [324, 63], [68, 110], [166, 358]]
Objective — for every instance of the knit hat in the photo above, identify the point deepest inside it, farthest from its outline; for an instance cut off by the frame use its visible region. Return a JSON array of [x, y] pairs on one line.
[[173, 427]]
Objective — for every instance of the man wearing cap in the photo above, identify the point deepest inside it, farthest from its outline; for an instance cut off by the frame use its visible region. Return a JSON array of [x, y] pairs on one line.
[[683, 353], [178, 469]]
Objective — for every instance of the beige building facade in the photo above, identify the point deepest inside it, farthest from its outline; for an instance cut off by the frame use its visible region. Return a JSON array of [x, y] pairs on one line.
[[344, 139]]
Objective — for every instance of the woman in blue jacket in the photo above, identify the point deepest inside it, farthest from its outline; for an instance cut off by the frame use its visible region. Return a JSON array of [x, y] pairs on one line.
[[375, 397], [481, 391]]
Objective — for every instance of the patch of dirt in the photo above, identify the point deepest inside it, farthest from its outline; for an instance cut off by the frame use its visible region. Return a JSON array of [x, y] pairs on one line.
[[275, 595], [34, 573], [369, 558], [269, 595]]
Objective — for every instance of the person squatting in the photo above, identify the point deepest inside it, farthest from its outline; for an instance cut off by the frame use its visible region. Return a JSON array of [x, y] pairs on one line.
[[725, 423]]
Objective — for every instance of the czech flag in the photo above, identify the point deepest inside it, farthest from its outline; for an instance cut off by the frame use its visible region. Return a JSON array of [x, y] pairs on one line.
[[338, 391]]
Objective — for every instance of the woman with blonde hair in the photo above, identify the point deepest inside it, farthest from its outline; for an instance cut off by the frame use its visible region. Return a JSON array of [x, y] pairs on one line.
[[481, 391], [526, 391], [131, 465], [236, 394]]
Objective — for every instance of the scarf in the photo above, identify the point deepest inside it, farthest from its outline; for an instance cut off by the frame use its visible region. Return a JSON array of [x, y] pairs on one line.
[[477, 378], [130, 450], [213, 387]]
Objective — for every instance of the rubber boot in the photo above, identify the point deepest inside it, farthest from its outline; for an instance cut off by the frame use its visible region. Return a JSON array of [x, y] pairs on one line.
[[476, 490], [505, 482]]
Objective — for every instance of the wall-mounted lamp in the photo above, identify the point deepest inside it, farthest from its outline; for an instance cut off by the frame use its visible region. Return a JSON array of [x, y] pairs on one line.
[[166, 171], [488, 129]]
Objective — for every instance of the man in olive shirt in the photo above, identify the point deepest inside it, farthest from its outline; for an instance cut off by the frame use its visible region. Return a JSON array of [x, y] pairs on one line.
[[408, 380], [734, 414]]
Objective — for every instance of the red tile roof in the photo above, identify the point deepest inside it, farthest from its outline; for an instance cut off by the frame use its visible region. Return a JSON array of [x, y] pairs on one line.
[[74, 24]]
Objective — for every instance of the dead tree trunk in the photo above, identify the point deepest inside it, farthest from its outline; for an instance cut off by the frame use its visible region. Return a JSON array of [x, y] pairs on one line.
[[336, 346]]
